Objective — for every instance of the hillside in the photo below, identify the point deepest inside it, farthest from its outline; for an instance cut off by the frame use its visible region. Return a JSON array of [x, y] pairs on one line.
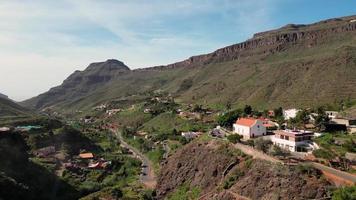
[[11, 110], [215, 170], [296, 65]]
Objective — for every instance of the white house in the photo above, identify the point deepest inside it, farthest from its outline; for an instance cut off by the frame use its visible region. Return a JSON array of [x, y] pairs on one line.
[[290, 113], [332, 114], [249, 127], [294, 140]]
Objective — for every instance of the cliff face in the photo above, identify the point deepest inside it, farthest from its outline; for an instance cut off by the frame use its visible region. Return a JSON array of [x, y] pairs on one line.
[[268, 42], [209, 166]]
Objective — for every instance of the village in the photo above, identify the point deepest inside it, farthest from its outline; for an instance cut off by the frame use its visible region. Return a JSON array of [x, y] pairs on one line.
[[149, 132]]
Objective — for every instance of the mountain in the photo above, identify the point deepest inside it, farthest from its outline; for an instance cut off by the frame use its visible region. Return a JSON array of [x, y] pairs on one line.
[[3, 96], [10, 109], [80, 83], [295, 65]]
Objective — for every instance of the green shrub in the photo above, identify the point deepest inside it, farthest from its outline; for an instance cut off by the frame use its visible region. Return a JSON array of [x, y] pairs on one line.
[[234, 138], [321, 153], [345, 193]]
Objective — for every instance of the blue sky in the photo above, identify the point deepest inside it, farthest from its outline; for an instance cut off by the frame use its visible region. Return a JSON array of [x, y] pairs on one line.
[[42, 41]]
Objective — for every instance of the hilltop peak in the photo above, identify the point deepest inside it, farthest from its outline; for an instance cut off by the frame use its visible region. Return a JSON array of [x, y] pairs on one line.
[[110, 64]]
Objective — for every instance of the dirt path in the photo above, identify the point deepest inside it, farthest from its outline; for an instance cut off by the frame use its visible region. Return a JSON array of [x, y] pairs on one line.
[[148, 176], [255, 153], [347, 177]]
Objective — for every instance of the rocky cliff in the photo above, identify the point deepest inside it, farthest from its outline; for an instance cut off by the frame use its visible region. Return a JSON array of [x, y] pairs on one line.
[[268, 42]]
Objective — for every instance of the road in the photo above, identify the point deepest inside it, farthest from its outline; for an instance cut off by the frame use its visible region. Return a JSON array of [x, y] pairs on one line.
[[349, 178], [340, 175], [147, 176]]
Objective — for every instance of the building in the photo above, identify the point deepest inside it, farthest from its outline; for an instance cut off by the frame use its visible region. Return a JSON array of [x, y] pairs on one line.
[[293, 140], [86, 155], [113, 111], [290, 113], [4, 129], [191, 135], [350, 123], [331, 114], [249, 127]]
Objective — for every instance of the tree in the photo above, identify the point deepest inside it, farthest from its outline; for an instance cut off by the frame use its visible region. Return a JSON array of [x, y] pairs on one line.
[[228, 105], [248, 110], [234, 138], [262, 145], [321, 117], [278, 112], [302, 117], [117, 193], [227, 119]]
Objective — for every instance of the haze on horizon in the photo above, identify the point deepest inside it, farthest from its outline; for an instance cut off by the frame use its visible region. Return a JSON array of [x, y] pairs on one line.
[[43, 42]]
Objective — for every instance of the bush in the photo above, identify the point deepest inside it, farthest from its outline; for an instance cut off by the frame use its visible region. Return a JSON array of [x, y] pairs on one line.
[[262, 145], [321, 153], [345, 193], [234, 138]]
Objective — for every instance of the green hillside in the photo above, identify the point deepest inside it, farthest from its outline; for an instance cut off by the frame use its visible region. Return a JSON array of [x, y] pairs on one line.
[[9, 110], [297, 65]]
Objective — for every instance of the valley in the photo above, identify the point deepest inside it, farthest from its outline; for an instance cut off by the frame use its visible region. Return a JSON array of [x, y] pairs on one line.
[[272, 117]]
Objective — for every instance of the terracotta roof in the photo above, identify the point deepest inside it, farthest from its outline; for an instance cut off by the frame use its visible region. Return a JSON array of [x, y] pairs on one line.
[[246, 121], [86, 155]]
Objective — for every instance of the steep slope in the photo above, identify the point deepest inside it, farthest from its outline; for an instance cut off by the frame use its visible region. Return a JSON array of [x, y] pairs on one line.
[[296, 65], [214, 169]]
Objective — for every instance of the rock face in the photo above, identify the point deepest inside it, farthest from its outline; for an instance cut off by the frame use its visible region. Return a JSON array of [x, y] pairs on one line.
[[208, 165], [268, 42]]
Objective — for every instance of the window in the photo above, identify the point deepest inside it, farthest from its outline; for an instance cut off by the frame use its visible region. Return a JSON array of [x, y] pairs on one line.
[[286, 137]]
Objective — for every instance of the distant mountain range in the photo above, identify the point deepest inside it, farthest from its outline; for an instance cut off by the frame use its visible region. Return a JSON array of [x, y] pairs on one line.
[[296, 65]]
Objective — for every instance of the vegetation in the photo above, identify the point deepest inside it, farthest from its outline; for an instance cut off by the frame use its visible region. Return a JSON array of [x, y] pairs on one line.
[[229, 118], [234, 138], [232, 178], [184, 192], [345, 193]]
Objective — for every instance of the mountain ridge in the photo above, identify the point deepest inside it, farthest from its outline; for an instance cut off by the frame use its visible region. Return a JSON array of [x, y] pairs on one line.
[[296, 65]]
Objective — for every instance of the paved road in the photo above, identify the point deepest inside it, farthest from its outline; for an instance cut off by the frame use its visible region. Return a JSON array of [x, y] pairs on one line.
[[147, 176]]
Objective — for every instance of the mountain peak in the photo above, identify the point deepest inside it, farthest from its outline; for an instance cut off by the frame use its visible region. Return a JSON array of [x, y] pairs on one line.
[[110, 64]]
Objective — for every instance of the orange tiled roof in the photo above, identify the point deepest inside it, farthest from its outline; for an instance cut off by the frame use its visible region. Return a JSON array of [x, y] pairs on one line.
[[86, 155], [246, 121]]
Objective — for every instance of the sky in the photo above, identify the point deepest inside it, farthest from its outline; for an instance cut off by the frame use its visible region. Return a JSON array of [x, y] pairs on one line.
[[42, 41]]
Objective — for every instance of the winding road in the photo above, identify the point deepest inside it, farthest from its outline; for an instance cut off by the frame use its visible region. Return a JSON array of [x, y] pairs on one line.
[[147, 176]]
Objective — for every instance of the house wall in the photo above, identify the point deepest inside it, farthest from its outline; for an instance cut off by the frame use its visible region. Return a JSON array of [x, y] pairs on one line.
[[290, 113], [290, 144], [242, 130], [249, 132], [258, 129]]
